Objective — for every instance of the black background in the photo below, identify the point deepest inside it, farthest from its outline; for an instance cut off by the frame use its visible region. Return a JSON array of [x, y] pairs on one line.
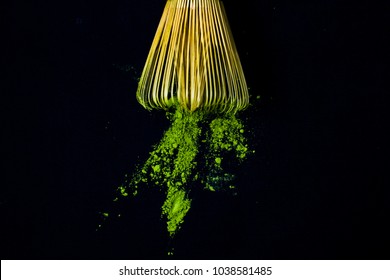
[[315, 188]]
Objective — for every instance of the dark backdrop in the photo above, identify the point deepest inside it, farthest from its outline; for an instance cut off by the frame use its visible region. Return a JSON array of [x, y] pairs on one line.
[[71, 130]]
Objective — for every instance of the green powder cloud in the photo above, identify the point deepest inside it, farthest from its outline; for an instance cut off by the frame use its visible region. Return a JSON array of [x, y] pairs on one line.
[[194, 148]]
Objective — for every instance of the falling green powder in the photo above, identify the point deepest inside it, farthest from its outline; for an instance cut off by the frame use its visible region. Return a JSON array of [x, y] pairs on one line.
[[192, 149]]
